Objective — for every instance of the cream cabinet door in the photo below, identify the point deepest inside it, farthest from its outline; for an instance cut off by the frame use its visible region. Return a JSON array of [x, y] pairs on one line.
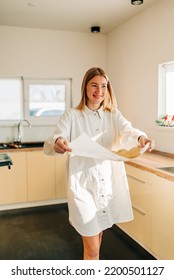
[[163, 219], [13, 182], [41, 176], [140, 191], [61, 176]]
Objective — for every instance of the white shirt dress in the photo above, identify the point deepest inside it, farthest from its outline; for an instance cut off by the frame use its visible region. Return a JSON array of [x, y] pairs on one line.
[[97, 190]]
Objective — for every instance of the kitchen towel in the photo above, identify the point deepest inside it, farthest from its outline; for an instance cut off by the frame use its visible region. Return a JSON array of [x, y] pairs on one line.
[[84, 146]]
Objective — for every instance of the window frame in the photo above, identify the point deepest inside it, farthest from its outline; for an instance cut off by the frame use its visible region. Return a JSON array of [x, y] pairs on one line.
[[45, 120], [162, 70], [12, 122], [38, 120]]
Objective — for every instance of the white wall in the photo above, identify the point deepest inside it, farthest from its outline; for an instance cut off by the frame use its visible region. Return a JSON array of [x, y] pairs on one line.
[[134, 50], [48, 54]]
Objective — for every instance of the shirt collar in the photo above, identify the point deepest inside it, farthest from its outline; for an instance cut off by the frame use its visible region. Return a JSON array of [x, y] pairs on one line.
[[88, 112]]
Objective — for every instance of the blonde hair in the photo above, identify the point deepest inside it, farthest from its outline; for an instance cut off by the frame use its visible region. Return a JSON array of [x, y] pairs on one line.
[[109, 103]]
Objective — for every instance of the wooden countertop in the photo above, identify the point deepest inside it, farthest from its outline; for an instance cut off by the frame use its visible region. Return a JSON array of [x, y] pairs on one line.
[[11, 150], [148, 161], [151, 161]]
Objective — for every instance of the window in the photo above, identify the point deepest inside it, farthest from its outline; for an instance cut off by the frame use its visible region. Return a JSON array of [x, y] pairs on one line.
[[10, 99], [166, 89], [45, 100], [40, 101]]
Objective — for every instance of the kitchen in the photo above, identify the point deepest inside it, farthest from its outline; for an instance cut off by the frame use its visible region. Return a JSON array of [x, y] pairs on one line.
[[131, 54]]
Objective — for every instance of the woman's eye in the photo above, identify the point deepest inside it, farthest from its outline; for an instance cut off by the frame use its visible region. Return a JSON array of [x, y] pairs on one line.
[[95, 86]]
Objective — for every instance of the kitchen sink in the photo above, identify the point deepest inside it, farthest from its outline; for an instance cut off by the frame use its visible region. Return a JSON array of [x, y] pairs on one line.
[[169, 169], [20, 145], [4, 146]]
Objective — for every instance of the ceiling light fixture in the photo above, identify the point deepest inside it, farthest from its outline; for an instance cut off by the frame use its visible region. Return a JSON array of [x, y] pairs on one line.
[[136, 2], [95, 29]]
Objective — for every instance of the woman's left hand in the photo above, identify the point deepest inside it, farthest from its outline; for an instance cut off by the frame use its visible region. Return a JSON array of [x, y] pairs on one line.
[[143, 141]]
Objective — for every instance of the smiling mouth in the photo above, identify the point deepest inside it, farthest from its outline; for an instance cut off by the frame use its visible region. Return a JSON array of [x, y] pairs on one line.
[[97, 96]]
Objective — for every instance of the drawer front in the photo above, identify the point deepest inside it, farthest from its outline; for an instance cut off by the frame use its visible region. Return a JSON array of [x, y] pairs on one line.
[[140, 174], [139, 229], [140, 192]]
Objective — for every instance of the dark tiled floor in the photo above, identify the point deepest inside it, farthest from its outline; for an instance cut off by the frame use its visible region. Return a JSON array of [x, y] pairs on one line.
[[44, 233]]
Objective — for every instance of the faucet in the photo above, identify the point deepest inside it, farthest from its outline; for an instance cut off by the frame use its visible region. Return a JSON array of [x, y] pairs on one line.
[[19, 129]]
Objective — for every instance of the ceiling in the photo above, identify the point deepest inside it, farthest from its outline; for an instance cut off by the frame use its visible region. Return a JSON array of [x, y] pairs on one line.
[[70, 15]]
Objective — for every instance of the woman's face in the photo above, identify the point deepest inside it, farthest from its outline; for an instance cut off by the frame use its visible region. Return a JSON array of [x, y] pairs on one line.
[[96, 90]]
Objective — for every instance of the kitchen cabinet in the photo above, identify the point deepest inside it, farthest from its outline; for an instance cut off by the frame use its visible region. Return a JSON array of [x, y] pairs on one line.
[[61, 176], [33, 177], [140, 191], [13, 182], [40, 176], [163, 219], [153, 206]]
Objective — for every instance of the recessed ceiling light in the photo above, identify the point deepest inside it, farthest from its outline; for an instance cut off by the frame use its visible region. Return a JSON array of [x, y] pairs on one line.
[[136, 2], [95, 29]]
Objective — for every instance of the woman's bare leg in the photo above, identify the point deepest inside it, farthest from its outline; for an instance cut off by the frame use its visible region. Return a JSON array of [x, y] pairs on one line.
[[100, 237], [91, 246]]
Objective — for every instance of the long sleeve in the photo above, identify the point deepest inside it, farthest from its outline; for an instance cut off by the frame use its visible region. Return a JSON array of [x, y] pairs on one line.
[[125, 129], [62, 130]]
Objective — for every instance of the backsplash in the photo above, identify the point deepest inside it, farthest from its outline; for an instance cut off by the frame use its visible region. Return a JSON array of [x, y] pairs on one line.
[[35, 133]]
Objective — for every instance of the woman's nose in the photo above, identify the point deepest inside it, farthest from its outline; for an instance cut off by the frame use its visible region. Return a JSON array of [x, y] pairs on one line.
[[99, 89]]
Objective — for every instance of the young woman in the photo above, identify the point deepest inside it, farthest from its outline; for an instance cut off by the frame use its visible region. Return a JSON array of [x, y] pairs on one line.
[[97, 191]]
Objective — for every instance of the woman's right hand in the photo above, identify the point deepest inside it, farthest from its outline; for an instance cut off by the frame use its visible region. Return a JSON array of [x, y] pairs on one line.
[[61, 146]]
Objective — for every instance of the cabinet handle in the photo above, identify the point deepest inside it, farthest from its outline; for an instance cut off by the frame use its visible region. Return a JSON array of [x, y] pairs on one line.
[[138, 210], [141, 181]]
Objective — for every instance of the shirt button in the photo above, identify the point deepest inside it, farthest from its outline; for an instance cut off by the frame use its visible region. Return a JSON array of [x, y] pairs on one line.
[[97, 129], [104, 211]]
